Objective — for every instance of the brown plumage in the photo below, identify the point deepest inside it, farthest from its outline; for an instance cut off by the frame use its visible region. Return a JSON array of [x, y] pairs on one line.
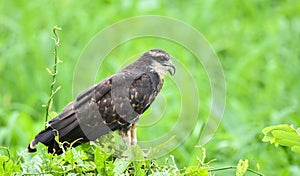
[[115, 103]]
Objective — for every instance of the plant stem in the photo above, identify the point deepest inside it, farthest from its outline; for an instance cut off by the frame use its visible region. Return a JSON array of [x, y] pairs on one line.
[[234, 167], [53, 74]]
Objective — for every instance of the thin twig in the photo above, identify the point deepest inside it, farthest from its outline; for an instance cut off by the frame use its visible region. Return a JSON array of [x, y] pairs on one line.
[[234, 167]]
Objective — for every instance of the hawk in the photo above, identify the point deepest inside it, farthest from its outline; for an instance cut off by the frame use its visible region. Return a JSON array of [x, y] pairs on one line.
[[114, 103]]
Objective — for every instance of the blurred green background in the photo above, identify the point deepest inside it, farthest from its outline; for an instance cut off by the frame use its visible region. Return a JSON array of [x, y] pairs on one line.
[[257, 43]]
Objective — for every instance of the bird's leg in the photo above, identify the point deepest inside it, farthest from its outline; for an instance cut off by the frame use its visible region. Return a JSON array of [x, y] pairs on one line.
[[134, 139], [133, 134], [129, 136], [126, 136]]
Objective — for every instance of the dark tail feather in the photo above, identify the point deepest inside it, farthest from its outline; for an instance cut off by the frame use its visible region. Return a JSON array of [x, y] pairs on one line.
[[66, 126], [73, 138], [47, 138]]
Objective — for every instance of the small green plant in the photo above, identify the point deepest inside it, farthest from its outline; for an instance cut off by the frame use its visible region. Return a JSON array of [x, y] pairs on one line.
[[284, 135], [93, 159], [53, 73], [7, 163]]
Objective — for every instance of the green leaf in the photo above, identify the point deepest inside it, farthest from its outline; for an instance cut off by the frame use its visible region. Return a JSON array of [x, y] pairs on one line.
[[283, 127], [284, 135], [53, 114], [49, 71], [280, 134], [242, 167], [138, 170], [120, 165]]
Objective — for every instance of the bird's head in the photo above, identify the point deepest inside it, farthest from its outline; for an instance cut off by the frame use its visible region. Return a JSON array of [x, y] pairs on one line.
[[160, 61]]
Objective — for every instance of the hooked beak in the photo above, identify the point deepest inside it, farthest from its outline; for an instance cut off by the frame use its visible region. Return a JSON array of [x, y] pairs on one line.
[[172, 69]]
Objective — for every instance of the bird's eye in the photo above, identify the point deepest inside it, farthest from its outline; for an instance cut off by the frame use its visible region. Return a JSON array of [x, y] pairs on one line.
[[161, 58]]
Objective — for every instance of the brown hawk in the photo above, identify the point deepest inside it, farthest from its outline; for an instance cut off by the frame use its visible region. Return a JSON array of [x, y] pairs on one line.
[[115, 103]]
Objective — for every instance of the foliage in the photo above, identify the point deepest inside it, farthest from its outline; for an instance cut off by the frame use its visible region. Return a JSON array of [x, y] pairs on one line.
[[284, 135], [242, 167], [8, 164], [100, 160], [257, 42]]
